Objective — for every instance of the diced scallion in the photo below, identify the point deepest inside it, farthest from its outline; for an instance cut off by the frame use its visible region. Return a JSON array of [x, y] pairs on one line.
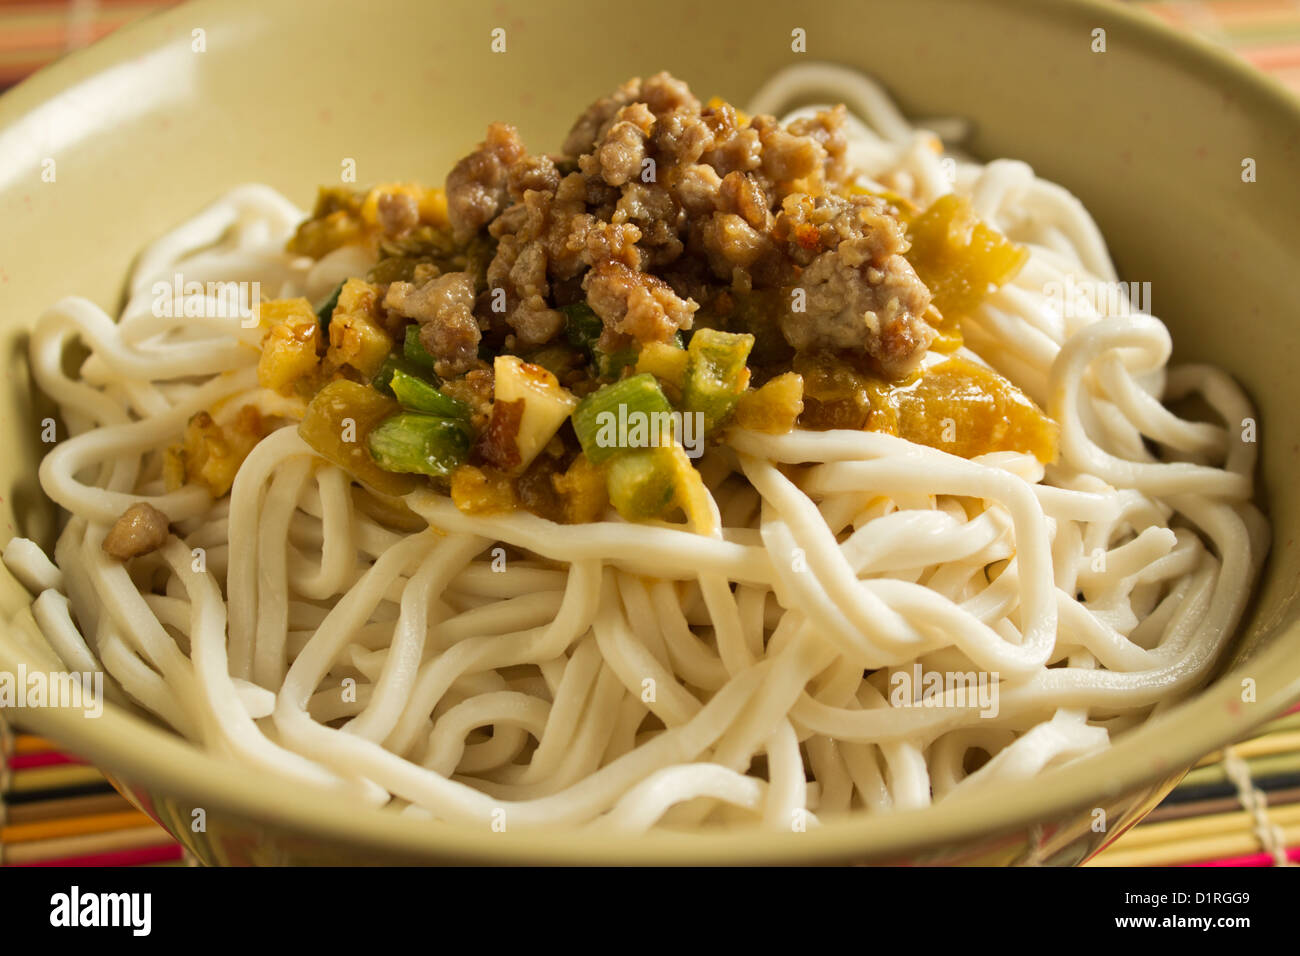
[[410, 442], [582, 326], [325, 311], [604, 419], [716, 374], [642, 482], [413, 349], [611, 364], [383, 380], [418, 395]]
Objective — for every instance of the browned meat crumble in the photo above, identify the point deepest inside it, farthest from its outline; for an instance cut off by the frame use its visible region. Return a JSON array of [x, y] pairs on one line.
[[142, 528], [658, 203]]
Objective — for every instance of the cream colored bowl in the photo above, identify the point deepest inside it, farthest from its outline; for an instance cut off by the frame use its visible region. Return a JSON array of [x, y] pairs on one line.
[[147, 127]]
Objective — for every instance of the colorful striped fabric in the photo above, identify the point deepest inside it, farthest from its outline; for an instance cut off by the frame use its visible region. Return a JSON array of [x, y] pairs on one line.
[[56, 810], [34, 33], [1238, 807], [1240, 811], [1265, 33]]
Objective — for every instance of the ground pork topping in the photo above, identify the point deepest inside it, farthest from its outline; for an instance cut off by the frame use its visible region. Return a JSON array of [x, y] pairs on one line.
[[478, 186], [142, 528], [444, 307], [662, 196], [636, 304], [853, 303]]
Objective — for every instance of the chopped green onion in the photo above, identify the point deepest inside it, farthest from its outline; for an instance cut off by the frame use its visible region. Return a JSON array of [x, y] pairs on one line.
[[611, 364], [414, 351], [418, 395], [401, 380], [582, 326], [641, 482], [715, 374], [409, 442], [602, 420], [325, 311], [383, 379]]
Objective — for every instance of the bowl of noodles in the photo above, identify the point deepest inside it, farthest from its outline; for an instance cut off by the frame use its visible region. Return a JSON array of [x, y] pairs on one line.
[[567, 437]]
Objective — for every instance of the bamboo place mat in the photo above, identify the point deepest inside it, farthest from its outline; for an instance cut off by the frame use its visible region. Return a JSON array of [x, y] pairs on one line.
[[1239, 808]]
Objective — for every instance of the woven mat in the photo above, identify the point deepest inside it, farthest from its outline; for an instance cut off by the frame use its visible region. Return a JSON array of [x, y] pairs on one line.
[[1239, 807]]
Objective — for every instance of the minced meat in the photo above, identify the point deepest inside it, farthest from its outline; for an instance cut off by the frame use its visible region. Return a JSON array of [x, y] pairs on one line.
[[660, 202]]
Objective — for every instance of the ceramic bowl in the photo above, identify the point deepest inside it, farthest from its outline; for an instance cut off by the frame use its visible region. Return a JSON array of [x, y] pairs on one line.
[[150, 125]]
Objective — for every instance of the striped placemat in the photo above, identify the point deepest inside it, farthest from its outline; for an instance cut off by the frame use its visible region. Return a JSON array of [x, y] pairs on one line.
[[1240, 807], [57, 810], [1237, 807], [34, 33], [1265, 33]]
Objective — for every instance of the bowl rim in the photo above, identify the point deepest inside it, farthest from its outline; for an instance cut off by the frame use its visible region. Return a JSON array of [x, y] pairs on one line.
[[151, 757]]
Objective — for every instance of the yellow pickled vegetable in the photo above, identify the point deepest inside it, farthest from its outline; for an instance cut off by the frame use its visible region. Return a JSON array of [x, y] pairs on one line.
[[665, 362], [948, 327], [431, 203], [289, 345], [344, 216], [774, 408], [958, 257], [212, 453], [482, 491], [335, 221], [356, 336], [689, 492], [837, 395], [968, 410], [956, 406], [337, 424], [582, 488]]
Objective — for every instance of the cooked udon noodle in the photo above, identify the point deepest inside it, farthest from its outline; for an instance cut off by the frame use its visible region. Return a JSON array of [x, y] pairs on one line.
[[509, 671]]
